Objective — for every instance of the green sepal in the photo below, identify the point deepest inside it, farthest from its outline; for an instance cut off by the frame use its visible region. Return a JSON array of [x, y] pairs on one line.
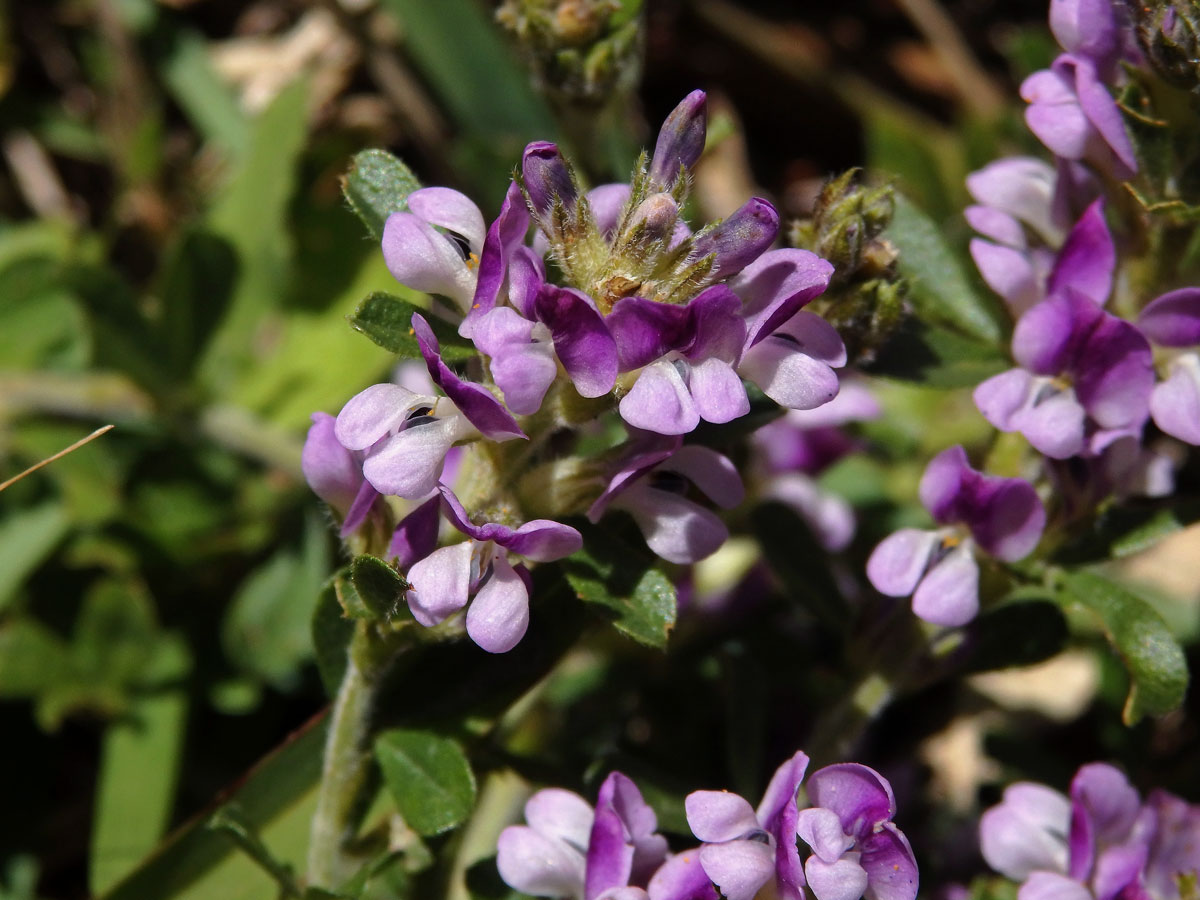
[[378, 585]]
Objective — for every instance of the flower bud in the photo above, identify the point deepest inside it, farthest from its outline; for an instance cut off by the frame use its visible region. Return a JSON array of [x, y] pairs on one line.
[[656, 217], [1169, 35], [680, 140], [740, 239], [547, 177]]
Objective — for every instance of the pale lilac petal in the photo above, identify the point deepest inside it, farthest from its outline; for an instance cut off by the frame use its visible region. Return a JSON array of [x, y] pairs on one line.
[[1175, 403], [535, 864], [660, 401], [331, 470], [1052, 886], [1087, 259], [1001, 397], [674, 527], [1086, 27], [581, 339], [716, 816], [607, 201], [942, 484], [948, 595], [843, 879], [776, 285], [890, 865], [640, 461], [526, 275], [897, 564], [524, 376], [1048, 337], [620, 795], [451, 210], [560, 814], [853, 403], [682, 877], [830, 517], [408, 465], [1173, 319], [1023, 187], [624, 893], [374, 413], [1008, 272], [717, 391], [738, 868], [821, 829], [1054, 426], [714, 474], [477, 403], [861, 797], [1008, 519], [359, 508], [499, 615], [424, 260], [1054, 114], [1027, 832], [1115, 374], [501, 329], [1107, 800], [997, 225], [544, 541], [778, 813], [1104, 114], [439, 584]]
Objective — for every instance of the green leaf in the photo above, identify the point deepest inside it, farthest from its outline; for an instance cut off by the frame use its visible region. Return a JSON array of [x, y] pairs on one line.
[[352, 605], [378, 585], [331, 632], [377, 185], [138, 769], [27, 538], [196, 285], [387, 320], [1156, 664], [184, 61], [32, 658], [1129, 528], [624, 582], [230, 821], [429, 778], [1015, 634], [939, 288], [937, 357], [267, 630]]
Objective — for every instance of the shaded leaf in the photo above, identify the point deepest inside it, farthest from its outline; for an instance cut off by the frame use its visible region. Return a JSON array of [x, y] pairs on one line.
[[794, 555], [27, 538], [377, 185], [937, 357], [429, 778], [331, 632], [1157, 668], [387, 320], [1015, 634], [1129, 528]]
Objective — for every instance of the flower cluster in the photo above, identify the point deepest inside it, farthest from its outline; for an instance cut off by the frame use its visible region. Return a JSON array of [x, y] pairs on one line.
[[1103, 841], [574, 303], [853, 849]]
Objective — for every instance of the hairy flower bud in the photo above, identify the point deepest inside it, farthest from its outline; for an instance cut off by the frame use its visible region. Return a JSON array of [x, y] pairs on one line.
[[680, 140], [655, 217], [1169, 35], [547, 177], [740, 239]]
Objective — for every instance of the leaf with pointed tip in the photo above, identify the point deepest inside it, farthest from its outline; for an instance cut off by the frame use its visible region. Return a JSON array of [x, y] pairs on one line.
[[387, 320], [377, 185]]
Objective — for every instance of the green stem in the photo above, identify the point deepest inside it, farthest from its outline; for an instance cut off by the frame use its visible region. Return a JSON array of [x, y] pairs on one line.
[[347, 775]]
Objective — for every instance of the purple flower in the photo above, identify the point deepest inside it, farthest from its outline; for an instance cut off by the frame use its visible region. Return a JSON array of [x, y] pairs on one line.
[[856, 847], [1101, 844], [567, 850], [435, 246], [652, 485], [1072, 112], [477, 572], [503, 239], [1084, 380], [1173, 320], [743, 848], [1003, 516], [336, 474], [1089, 29]]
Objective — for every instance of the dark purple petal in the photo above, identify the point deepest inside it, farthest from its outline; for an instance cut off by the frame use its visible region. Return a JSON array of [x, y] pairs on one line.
[[533, 863], [776, 285], [948, 595], [526, 275], [416, 535], [644, 330], [738, 868], [1008, 517], [499, 614], [639, 821], [1104, 806], [503, 237], [1173, 319], [941, 488], [777, 812], [890, 865], [1087, 259], [1026, 832], [546, 177], [581, 339], [716, 816], [680, 140], [1115, 374], [1048, 338], [475, 402], [1175, 403], [740, 239], [714, 326], [359, 509], [439, 584], [897, 564], [333, 472], [647, 454], [861, 797]]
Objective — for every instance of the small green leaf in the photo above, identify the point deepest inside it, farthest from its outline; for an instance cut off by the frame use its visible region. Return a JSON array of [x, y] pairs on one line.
[[939, 288], [387, 320], [937, 357], [377, 185], [622, 579], [352, 605], [27, 538], [1015, 634], [429, 778], [378, 585], [331, 632], [1157, 667], [32, 659], [1129, 528]]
